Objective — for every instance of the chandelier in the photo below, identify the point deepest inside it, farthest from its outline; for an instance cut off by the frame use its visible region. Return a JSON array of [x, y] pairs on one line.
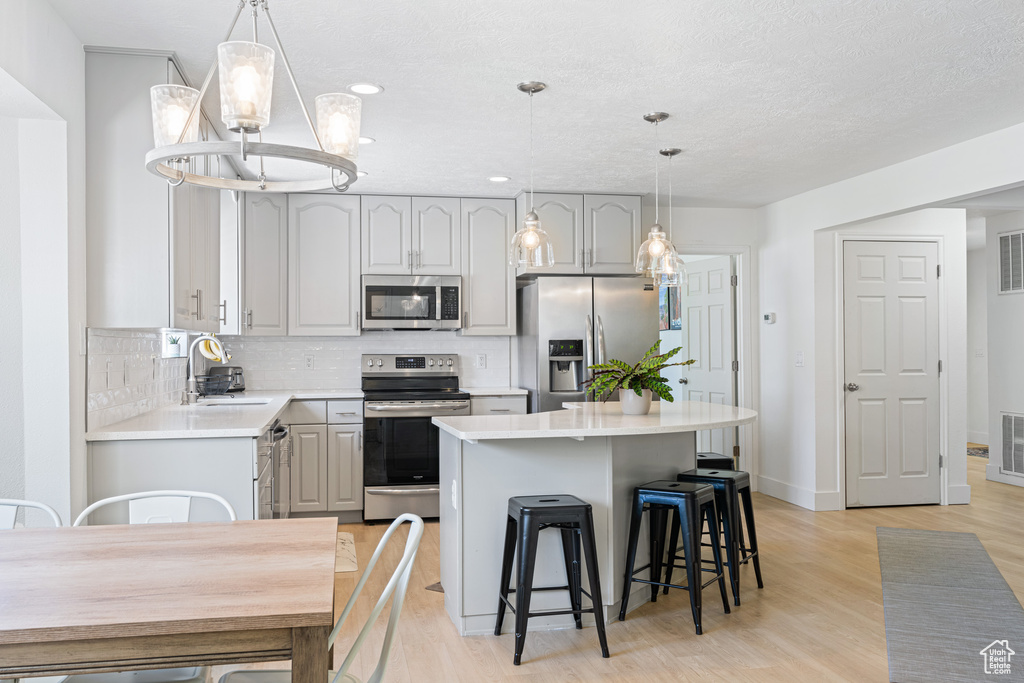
[[656, 254], [246, 81]]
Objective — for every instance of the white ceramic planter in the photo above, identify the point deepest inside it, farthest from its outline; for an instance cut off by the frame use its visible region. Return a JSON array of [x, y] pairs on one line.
[[633, 404]]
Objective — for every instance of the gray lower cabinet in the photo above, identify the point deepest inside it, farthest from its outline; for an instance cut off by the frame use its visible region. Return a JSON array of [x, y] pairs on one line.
[[309, 468], [511, 404], [327, 459], [344, 468]]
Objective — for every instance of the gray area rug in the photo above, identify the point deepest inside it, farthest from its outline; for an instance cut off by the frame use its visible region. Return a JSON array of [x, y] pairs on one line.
[[949, 613]]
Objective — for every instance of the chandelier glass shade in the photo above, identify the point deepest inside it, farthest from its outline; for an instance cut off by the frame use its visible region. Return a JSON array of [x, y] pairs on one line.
[[171, 105], [530, 246], [246, 79]]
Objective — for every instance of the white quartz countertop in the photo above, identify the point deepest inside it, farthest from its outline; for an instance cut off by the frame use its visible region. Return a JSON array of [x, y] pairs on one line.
[[494, 391], [597, 419], [203, 421]]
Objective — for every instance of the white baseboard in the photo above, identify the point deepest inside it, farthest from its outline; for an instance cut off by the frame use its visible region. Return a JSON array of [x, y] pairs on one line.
[[960, 494], [994, 473], [978, 437], [787, 492]]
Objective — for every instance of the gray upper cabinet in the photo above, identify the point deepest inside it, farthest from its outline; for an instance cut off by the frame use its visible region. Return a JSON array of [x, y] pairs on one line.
[[436, 236], [489, 283], [561, 217], [611, 233], [152, 251], [264, 264], [590, 234], [387, 235], [323, 264]]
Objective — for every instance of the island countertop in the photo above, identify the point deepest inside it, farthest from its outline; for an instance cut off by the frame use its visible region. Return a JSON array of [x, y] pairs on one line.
[[584, 420]]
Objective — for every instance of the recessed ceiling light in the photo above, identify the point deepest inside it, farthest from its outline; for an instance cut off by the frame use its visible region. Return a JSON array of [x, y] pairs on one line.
[[499, 179], [366, 141], [365, 88], [362, 173]]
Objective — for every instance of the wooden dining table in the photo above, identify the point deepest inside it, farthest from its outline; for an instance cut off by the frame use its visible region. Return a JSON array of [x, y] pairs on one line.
[[125, 597]]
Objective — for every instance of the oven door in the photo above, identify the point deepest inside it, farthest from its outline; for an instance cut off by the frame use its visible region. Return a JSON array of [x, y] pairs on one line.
[[399, 450]]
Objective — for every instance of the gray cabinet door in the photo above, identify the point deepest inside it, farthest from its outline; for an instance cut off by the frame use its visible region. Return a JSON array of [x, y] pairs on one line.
[[323, 264], [611, 227], [344, 467], [561, 217], [489, 284], [264, 265], [309, 468], [436, 236], [387, 235]]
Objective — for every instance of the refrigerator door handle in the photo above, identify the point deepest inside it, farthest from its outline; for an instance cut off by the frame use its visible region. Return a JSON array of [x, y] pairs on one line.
[[588, 345], [600, 342]]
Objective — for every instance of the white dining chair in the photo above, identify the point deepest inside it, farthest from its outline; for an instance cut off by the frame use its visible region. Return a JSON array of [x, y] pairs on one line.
[[395, 589], [152, 507], [9, 511], [157, 507]]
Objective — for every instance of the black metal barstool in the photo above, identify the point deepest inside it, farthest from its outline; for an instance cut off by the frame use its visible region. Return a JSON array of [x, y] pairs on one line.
[[715, 461], [527, 516], [731, 488], [693, 504]]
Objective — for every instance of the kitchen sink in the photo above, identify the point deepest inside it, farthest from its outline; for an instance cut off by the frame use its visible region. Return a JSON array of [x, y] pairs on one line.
[[235, 402]]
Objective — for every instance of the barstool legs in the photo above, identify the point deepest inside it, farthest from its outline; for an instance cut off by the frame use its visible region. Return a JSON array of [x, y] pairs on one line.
[[634, 536], [506, 571], [524, 584], [571, 553], [590, 550], [748, 512], [691, 549]]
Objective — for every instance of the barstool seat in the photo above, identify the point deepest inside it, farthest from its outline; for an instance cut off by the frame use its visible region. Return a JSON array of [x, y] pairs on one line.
[[732, 489], [693, 503], [715, 461], [527, 517]]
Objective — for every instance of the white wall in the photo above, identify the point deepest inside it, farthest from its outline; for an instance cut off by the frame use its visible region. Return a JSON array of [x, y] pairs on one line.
[[790, 418], [40, 53], [977, 343], [1005, 335], [12, 418]]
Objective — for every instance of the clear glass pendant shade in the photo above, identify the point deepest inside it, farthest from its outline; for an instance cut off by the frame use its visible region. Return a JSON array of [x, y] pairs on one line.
[[531, 247], [656, 254], [246, 81], [337, 122], [171, 105], [673, 276]]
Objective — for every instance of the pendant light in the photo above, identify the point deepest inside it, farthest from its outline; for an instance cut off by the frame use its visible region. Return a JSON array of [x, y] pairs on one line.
[[674, 274], [656, 254], [246, 78], [530, 246]]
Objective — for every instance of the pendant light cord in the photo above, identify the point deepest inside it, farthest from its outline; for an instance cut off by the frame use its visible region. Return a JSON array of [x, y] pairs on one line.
[[531, 151], [657, 179], [670, 159]]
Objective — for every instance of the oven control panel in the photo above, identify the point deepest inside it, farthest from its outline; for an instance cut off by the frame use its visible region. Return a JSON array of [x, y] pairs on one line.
[[399, 364]]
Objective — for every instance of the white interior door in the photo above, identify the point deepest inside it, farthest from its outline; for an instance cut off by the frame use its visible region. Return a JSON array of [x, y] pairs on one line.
[[891, 331], [707, 306]]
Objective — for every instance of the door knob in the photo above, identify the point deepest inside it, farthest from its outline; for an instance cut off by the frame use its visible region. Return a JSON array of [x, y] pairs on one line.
[[852, 387], [683, 380]]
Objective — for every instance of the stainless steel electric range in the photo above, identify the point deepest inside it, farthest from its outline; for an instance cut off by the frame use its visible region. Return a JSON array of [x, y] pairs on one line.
[[401, 393]]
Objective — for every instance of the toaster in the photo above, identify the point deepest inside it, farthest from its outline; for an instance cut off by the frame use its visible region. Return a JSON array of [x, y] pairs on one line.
[[234, 371]]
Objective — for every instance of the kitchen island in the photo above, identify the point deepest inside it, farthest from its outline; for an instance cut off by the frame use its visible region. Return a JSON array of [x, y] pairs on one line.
[[590, 450]]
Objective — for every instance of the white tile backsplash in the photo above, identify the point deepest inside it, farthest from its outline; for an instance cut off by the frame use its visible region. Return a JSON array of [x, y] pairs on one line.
[[278, 363], [125, 376]]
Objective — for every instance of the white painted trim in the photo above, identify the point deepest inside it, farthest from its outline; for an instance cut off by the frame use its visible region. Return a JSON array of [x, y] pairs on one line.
[[805, 498], [840, 240], [993, 472]]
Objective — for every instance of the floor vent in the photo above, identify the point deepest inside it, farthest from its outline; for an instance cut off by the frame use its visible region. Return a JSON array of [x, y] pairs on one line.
[[1013, 444], [1011, 262]]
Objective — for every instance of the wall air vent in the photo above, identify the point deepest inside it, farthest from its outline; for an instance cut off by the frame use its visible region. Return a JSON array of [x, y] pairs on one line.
[[1011, 262], [1013, 444]]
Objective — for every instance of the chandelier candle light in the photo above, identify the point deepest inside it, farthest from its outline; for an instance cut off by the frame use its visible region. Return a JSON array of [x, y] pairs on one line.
[[530, 246], [656, 254], [246, 83]]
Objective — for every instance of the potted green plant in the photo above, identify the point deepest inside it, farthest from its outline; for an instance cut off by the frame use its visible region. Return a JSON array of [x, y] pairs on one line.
[[636, 384], [173, 346]]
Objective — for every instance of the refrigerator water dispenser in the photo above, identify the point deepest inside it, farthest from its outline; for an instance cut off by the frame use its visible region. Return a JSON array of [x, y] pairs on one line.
[[565, 363]]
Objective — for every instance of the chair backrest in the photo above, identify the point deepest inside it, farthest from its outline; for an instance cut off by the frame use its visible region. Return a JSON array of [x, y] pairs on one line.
[[9, 511], [156, 507], [396, 586]]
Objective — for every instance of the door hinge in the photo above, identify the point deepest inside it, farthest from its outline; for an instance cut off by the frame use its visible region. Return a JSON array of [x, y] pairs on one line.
[[735, 366], [940, 367], [938, 271], [942, 461], [734, 280]]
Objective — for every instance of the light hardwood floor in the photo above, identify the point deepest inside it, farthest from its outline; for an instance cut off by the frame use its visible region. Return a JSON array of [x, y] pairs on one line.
[[819, 616]]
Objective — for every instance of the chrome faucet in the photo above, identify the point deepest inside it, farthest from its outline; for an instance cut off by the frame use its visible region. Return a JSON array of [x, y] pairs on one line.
[[191, 395]]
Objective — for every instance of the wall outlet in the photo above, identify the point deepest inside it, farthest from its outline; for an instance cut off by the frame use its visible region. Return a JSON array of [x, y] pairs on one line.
[[799, 359], [481, 360], [309, 357]]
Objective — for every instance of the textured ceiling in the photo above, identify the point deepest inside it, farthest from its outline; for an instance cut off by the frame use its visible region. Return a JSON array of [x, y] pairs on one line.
[[769, 98]]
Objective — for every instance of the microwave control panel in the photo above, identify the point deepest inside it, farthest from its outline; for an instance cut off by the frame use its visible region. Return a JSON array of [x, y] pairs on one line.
[[449, 303]]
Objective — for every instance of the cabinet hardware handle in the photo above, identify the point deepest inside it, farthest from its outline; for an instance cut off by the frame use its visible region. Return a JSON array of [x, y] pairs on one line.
[[201, 316], [465, 319], [224, 316], [196, 297], [345, 413], [578, 261], [411, 264], [501, 410], [248, 318], [359, 320], [419, 259], [590, 257]]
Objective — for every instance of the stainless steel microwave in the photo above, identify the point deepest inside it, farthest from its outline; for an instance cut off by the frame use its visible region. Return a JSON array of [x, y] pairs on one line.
[[412, 302]]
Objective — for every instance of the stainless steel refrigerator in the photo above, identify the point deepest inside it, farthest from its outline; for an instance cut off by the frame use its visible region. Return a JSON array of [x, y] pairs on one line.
[[569, 323]]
